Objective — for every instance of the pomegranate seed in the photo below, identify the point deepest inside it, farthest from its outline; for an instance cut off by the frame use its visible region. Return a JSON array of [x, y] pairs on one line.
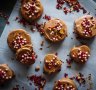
[[60, 1], [73, 5], [65, 75], [7, 22], [65, 10], [80, 78], [16, 18], [39, 81], [47, 17], [59, 6]]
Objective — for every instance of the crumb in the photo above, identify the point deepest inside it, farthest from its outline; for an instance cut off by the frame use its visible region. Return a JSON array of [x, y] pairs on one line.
[[71, 38], [41, 49], [37, 68], [33, 29], [61, 61], [42, 43], [7, 22], [65, 75], [16, 18], [36, 56], [12, 58]]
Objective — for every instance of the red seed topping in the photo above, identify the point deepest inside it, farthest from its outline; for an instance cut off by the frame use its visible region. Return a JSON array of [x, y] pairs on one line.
[[7, 22], [52, 63], [80, 78], [19, 41], [87, 25], [23, 22], [33, 25], [69, 62], [40, 28], [73, 5], [16, 18], [47, 17], [55, 31], [39, 81], [59, 6], [65, 75], [31, 9], [61, 1], [27, 57], [83, 56], [66, 10], [2, 74]]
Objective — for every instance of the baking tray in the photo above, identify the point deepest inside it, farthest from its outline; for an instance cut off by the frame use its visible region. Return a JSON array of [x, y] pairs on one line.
[[63, 48]]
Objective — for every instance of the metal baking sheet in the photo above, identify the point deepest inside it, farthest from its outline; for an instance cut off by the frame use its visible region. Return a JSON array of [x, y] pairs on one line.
[[62, 48]]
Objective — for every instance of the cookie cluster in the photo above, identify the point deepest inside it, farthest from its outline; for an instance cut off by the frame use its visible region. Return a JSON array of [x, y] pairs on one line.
[[20, 42], [54, 30]]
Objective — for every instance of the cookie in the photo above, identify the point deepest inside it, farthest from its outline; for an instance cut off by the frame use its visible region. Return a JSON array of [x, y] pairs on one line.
[[28, 46], [80, 54], [26, 55], [24, 1], [6, 73], [31, 10], [65, 84], [55, 30], [18, 38], [52, 63], [85, 27]]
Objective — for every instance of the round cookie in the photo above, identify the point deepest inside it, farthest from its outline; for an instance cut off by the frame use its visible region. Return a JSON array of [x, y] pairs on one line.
[[26, 55], [65, 84], [6, 73], [80, 54], [85, 27], [52, 63], [31, 10], [18, 38], [55, 30]]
